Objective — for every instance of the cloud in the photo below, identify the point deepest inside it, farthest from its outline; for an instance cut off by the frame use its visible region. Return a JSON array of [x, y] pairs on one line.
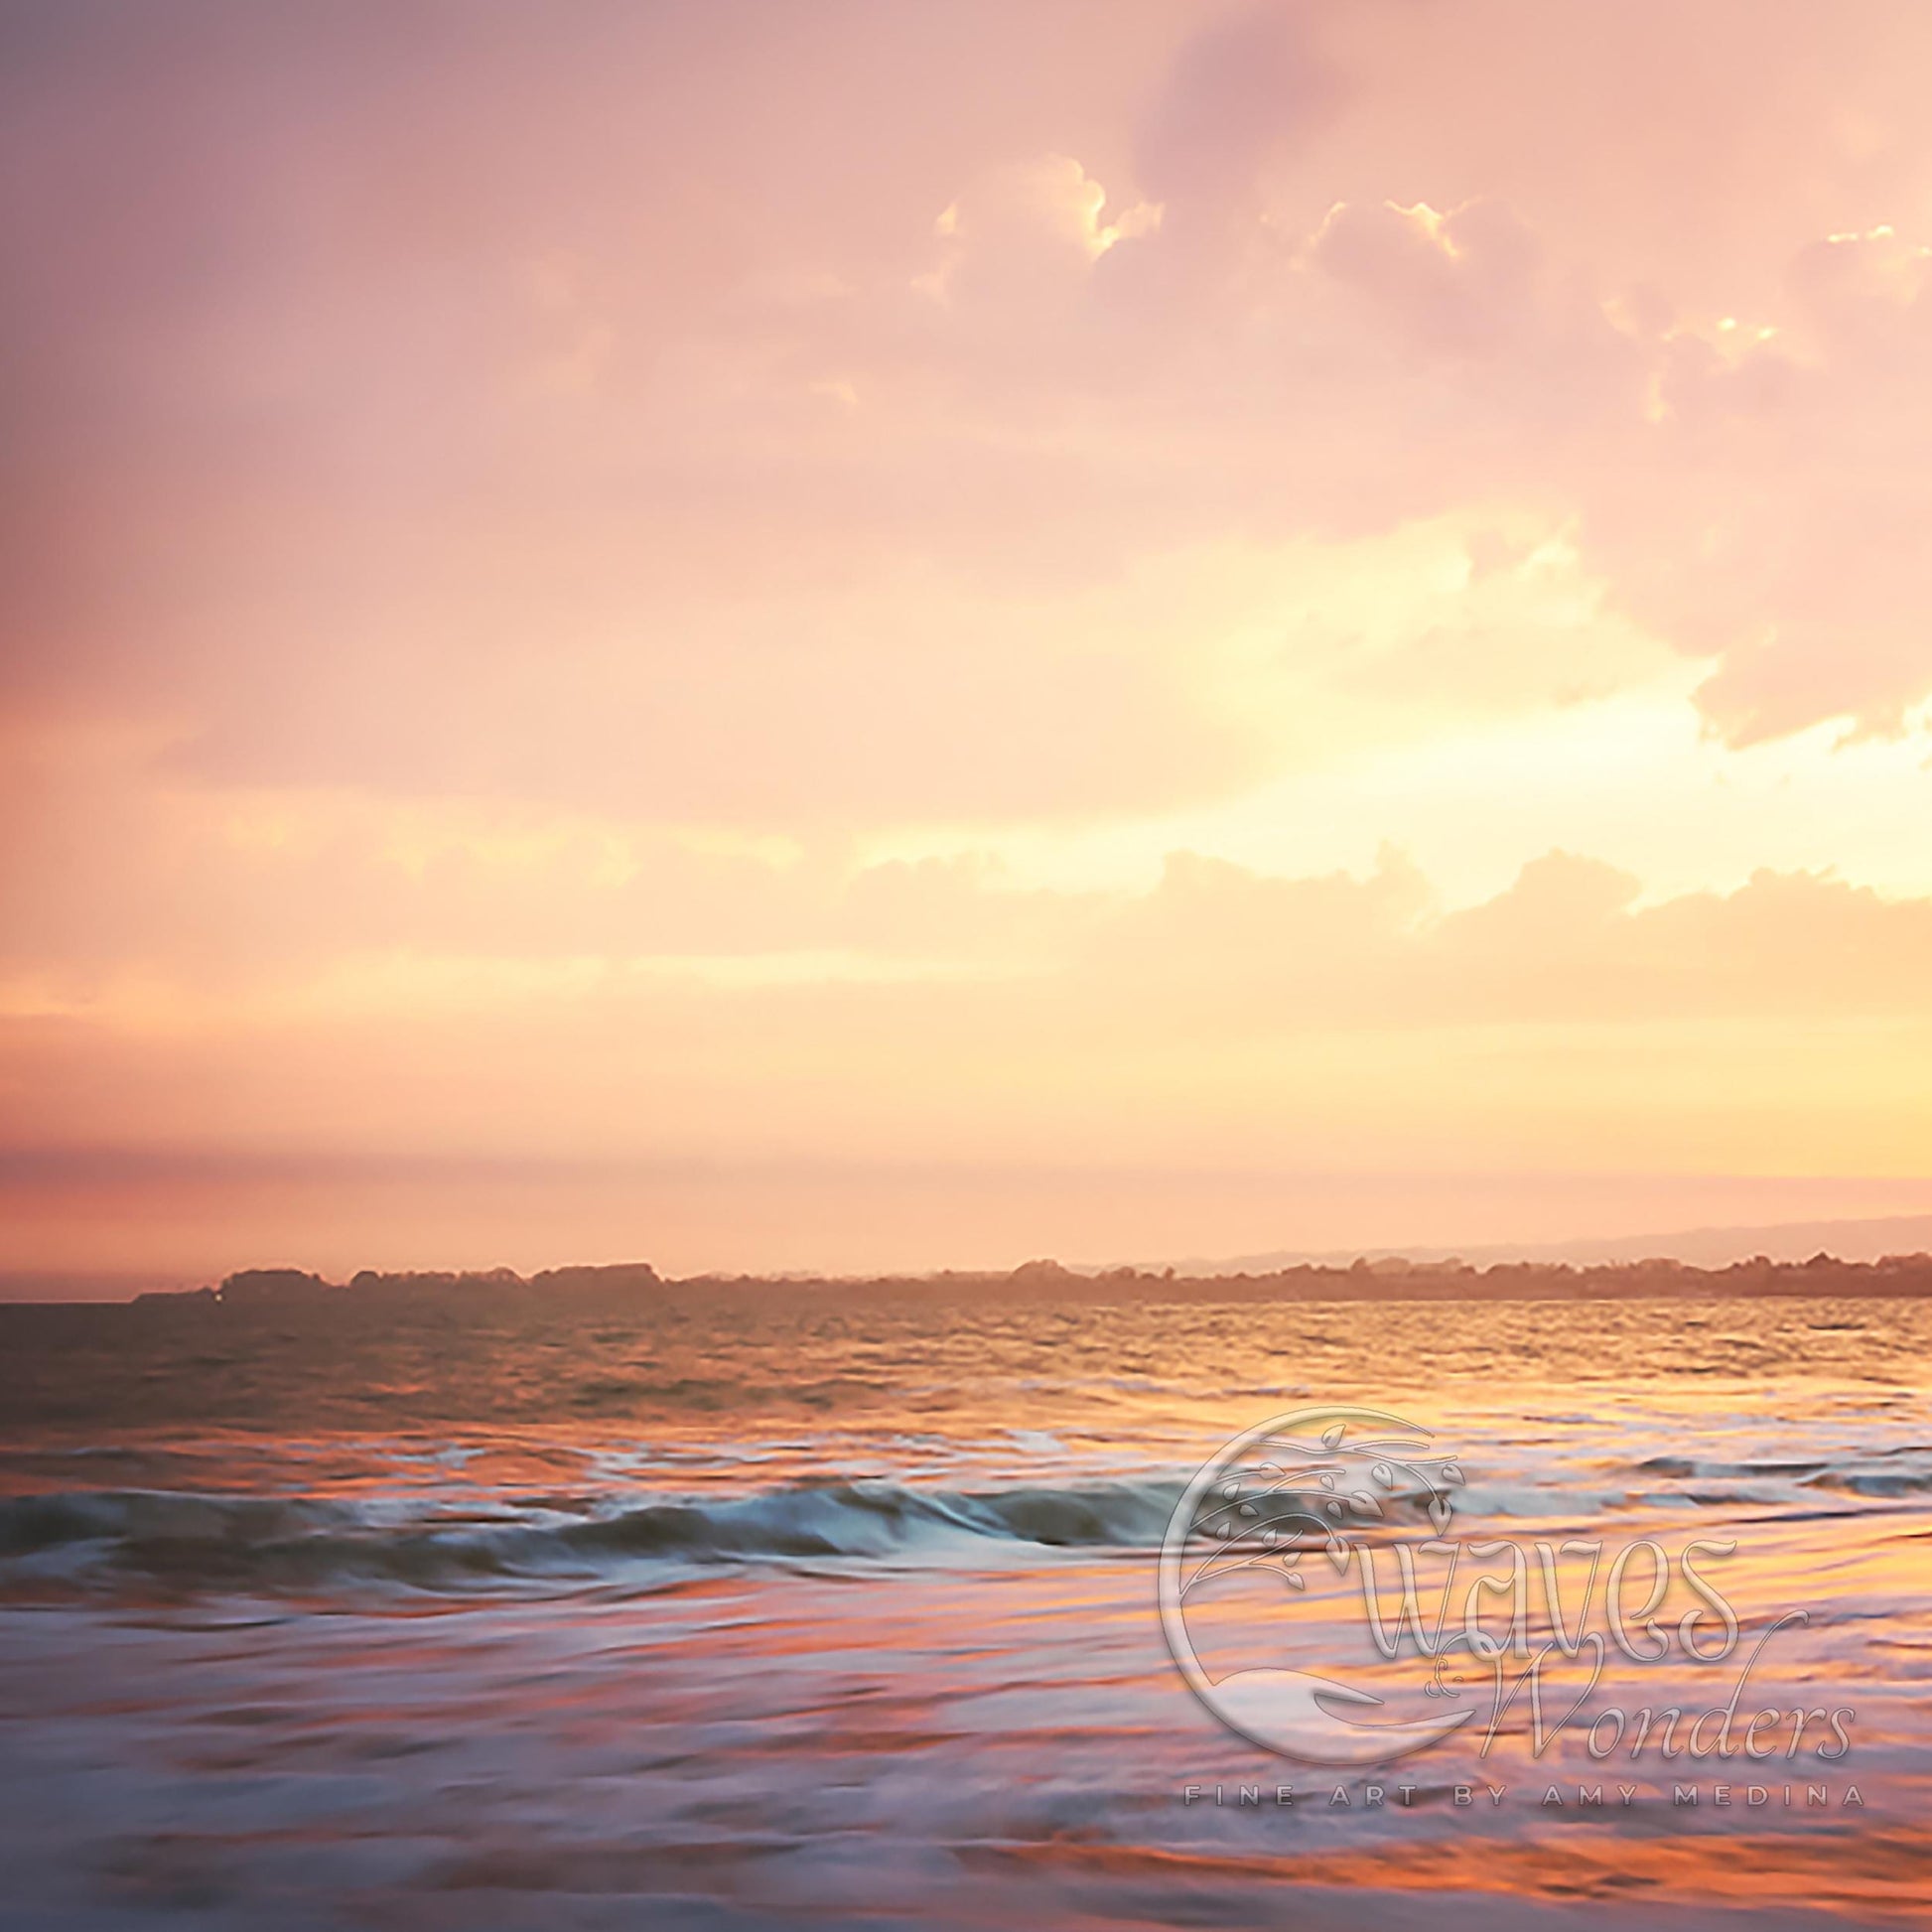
[[1242, 93], [1776, 528], [346, 995], [546, 933], [1571, 944], [506, 521], [1462, 282], [390, 426]]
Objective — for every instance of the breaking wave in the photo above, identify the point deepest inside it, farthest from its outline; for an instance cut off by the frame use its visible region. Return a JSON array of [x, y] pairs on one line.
[[185, 1543]]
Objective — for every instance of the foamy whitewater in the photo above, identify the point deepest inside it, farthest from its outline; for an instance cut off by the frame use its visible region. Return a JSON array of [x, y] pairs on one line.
[[833, 1615]]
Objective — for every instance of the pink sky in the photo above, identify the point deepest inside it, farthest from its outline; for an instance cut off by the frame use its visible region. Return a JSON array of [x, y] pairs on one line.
[[847, 635]]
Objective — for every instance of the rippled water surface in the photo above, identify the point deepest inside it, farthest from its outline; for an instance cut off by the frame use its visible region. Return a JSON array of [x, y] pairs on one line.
[[762, 1615]]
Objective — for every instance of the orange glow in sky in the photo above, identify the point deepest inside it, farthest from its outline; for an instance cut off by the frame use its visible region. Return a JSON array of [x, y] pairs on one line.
[[860, 635]]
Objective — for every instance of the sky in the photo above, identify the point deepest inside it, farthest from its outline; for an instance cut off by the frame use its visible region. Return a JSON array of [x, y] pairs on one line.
[[852, 636]]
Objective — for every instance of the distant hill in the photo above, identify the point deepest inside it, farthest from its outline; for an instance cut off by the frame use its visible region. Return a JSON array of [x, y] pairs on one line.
[[292, 1295], [1713, 1247], [1792, 1257]]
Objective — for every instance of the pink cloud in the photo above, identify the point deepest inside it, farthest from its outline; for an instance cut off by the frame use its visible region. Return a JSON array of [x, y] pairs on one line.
[[496, 499]]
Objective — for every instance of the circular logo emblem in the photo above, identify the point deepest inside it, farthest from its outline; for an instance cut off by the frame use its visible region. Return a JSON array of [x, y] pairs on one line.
[[1305, 1488]]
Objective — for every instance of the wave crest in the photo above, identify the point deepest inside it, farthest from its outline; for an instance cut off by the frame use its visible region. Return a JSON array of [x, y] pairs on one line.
[[191, 1542]]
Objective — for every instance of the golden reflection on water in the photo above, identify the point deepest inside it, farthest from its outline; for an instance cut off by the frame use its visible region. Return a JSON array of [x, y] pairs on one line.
[[825, 1615]]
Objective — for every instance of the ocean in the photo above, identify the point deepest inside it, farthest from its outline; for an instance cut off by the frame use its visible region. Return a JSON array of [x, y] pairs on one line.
[[799, 1610]]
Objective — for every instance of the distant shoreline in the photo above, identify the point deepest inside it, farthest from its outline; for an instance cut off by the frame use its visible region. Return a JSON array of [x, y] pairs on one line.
[[637, 1285]]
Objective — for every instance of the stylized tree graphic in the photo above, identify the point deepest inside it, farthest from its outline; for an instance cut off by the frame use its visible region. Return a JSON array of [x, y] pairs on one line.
[[1286, 1497]]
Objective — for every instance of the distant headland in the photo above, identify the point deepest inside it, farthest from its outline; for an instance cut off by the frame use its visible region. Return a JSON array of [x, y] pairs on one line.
[[372, 1294]]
